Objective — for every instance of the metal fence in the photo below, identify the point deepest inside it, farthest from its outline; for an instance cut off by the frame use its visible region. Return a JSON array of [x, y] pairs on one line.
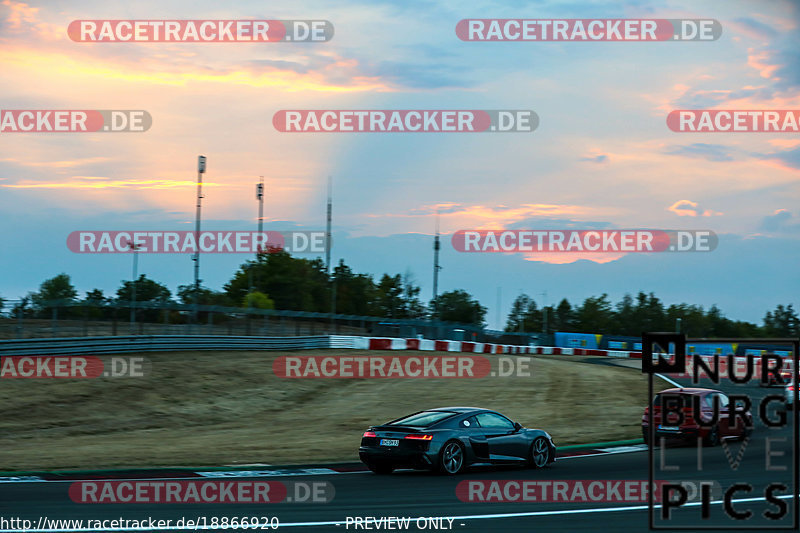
[[156, 343], [71, 319]]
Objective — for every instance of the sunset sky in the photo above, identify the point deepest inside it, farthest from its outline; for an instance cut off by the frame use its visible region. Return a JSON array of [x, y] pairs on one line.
[[602, 156]]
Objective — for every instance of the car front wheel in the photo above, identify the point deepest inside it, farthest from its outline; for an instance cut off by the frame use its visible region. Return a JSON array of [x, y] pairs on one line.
[[540, 453]]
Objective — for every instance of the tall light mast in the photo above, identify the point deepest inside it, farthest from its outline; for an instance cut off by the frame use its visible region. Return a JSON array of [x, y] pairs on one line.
[[201, 169], [436, 246]]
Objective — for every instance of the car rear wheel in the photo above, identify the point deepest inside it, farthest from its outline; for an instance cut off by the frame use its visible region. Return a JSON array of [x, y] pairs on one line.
[[540, 453], [381, 468], [451, 459]]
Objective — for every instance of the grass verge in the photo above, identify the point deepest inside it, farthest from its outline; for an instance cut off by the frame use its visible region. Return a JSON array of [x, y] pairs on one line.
[[217, 408]]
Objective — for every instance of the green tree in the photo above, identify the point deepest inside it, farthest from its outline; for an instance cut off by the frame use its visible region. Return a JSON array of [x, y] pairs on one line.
[[147, 290], [58, 288], [258, 300], [186, 295], [459, 306], [355, 293], [95, 304], [23, 307], [781, 322], [293, 283], [649, 314], [594, 315], [95, 297], [694, 321], [516, 316], [623, 316], [151, 298], [719, 324], [389, 296], [413, 306], [524, 315], [54, 292], [563, 317]]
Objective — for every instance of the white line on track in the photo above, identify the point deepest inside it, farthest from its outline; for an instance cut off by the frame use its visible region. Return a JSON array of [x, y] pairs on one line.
[[454, 518], [98, 480], [671, 382], [559, 459]]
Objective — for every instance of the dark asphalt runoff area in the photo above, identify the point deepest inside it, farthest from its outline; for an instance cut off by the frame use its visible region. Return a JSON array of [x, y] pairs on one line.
[[422, 495]]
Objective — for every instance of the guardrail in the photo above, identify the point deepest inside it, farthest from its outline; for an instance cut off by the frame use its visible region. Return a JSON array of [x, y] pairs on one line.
[[157, 343], [166, 343]]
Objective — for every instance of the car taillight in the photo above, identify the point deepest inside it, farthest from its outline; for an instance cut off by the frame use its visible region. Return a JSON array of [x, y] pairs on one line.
[[417, 436], [370, 434], [790, 387]]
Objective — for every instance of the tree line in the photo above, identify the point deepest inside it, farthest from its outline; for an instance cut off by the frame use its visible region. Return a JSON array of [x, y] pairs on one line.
[[273, 280], [645, 312], [280, 281]]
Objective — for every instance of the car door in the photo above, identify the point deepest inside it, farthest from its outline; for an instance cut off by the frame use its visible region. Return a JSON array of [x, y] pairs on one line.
[[477, 439], [506, 444]]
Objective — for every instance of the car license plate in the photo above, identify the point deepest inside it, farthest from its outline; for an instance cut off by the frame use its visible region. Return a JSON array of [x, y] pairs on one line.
[[390, 442], [668, 428]]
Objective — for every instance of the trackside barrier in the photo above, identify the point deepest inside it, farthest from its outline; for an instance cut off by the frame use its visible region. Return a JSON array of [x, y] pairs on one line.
[[157, 343], [551, 350], [386, 343], [166, 343]]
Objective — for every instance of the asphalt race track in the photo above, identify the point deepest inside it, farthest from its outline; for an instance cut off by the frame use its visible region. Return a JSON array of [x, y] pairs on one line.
[[420, 494]]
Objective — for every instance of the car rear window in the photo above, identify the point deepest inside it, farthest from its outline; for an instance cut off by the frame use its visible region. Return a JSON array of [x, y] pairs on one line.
[[672, 396], [423, 419]]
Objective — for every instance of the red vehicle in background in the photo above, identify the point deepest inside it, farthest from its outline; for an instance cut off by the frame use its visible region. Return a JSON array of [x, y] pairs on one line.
[[689, 428], [786, 376]]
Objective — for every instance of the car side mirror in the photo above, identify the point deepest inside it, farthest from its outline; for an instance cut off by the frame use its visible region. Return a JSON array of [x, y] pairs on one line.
[[517, 426]]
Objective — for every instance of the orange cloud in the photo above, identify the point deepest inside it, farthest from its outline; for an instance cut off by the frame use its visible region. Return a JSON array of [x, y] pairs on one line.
[[778, 164], [490, 217], [687, 208], [23, 19], [556, 258], [19, 12], [760, 62], [56, 164], [784, 143], [101, 182], [286, 80]]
